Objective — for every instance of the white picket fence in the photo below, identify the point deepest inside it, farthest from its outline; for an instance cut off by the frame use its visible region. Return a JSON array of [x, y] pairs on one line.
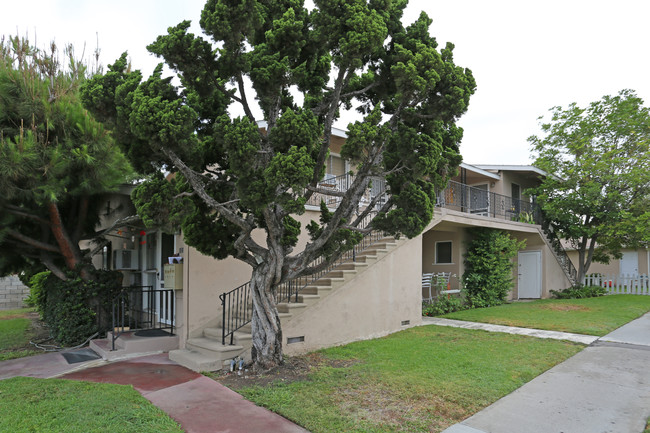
[[631, 284]]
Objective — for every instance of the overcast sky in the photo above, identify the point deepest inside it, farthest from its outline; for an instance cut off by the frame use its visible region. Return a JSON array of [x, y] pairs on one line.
[[526, 56]]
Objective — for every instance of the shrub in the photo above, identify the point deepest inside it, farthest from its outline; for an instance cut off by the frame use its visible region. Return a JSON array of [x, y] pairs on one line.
[[442, 305], [578, 292], [75, 309], [488, 266]]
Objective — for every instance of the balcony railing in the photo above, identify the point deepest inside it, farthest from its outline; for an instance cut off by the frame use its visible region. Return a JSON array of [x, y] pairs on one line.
[[340, 184], [477, 201]]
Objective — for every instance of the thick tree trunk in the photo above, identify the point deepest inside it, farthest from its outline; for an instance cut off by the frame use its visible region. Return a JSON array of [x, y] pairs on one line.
[[69, 248], [267, 333]]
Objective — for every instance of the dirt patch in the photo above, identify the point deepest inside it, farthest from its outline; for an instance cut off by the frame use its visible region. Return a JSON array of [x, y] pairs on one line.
[[565, 307], [294, 369]]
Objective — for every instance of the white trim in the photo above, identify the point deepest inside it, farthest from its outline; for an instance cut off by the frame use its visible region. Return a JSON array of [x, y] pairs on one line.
[[524, 168], [480, 171], [540, 270]]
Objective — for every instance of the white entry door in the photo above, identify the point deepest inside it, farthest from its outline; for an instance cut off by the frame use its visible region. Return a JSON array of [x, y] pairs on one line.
[[630, 263], [529, 267]]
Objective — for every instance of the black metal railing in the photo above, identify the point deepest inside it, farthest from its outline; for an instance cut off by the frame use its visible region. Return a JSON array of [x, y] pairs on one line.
[[477, 201], [236, 305], [560, 253], [340, 184], [237, 310], [141, 307]]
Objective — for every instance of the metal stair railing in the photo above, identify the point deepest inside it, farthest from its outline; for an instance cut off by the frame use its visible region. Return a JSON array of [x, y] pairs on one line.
[[560, 253], [142, 307], [236, 305]]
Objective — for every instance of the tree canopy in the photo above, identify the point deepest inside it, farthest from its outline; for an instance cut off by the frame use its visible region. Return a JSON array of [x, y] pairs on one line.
[[303, 69], [55, 161], [597, 195]]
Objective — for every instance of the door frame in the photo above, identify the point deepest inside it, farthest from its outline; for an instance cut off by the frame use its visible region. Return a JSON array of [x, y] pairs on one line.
[[525, 273]]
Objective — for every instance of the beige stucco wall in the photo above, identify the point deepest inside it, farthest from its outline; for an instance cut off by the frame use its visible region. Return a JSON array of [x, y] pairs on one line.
[[504, 186], [373, 304], [429, 264], [553, 277], [453, 225], [205, 278]]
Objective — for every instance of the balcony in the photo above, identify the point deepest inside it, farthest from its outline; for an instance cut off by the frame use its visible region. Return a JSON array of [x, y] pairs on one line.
[[340, 184], [456, 196], [477, 201]]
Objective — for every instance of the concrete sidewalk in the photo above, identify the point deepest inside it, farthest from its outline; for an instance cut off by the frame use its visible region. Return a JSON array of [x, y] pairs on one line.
[[604, 388], [198, 403], [531, 332]]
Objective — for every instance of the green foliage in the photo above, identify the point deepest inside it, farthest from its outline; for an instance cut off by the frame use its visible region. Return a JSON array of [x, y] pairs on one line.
[[599, 189], [450, 372], [579, 292], [75, 309], [306, 66], [443, 305], [593, 316], [57, 405], [56, 160], [488, 266]]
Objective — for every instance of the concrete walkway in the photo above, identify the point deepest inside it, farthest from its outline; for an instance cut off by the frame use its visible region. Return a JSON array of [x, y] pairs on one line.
[[539, 333], [198, 403], [604, 388]]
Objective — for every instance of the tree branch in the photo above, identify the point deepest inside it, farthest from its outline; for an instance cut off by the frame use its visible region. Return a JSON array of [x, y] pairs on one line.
[[360, 92], [33, 242], [15, 210]]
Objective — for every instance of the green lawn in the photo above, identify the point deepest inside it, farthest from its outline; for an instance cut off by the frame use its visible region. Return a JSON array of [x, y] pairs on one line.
[[592, 316], [421, 379], [54, 405], [15, 333]]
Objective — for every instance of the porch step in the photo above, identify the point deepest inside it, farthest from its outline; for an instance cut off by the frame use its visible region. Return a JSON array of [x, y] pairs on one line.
[[196, 361], [210, 347], [129, 345], [241, 337]]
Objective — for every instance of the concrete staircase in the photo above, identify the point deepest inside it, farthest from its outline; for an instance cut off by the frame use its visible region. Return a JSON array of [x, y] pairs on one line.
[[206, 353]]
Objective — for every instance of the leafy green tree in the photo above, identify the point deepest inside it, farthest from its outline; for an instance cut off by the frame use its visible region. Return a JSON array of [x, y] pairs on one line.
[[488, 266], [599, 157], [305, 68], [55, 162]]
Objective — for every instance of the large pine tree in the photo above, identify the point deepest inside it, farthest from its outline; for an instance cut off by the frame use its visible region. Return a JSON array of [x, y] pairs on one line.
[[55, 162]]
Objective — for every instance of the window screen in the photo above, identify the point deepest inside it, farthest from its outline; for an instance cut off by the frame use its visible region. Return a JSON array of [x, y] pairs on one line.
[[443, 252]]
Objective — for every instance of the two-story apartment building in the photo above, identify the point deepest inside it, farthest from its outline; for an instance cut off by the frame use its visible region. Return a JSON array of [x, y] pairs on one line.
[[374, 291]]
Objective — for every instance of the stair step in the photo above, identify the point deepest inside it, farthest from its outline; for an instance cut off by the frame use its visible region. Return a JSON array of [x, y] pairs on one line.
[[240, 336], [197, 361], [210, 347], [315, 290], [341, 273], [308, 299], [329, 281], [290, 307], [351, 266]]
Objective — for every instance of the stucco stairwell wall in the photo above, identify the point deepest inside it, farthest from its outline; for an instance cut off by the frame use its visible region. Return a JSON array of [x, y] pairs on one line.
[[382, 299]]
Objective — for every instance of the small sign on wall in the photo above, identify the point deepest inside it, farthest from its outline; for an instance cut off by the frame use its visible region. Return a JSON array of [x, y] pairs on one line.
[[174, 276]]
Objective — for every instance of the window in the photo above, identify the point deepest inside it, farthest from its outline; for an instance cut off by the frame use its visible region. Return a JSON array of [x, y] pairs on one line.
[[443, 252], [516, 197]]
